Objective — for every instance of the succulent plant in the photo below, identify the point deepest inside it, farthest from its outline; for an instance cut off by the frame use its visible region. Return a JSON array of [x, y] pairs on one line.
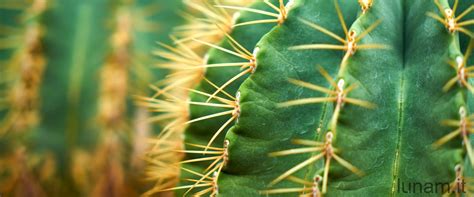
[[254, 98], [318, 97], [68, 126]]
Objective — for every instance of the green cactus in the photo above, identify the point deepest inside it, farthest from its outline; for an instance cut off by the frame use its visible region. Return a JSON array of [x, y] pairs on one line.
[[73, 130], [344, 98]]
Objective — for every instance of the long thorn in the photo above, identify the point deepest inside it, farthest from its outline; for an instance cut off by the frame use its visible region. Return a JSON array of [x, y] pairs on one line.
[[297, 167], [306, 101], [219, 131], [446, 138], [323, 30], [210, 116], [229, 82]]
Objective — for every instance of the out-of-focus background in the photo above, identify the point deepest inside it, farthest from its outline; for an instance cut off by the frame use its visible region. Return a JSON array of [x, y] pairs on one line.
[[69, 73]]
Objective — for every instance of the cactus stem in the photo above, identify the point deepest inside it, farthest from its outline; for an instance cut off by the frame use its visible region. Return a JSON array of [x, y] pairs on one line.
[[324, 150], [450, 21]]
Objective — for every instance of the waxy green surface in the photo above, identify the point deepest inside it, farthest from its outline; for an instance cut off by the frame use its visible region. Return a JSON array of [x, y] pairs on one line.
[[389, 143], [262, 126], [201, 132]]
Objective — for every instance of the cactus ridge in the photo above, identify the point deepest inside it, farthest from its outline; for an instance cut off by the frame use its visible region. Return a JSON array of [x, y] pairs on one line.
[[338, 96], [225, 66], [357, 67]]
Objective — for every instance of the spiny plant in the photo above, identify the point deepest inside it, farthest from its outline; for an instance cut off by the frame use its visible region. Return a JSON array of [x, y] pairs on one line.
[[320, 97], [68, 72]]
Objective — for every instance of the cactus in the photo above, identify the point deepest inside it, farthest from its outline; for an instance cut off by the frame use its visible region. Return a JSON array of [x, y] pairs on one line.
[[334, 98], [69, 70]]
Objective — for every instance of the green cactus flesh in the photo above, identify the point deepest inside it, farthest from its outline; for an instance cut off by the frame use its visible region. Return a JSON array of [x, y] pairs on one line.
[[200, 132], [256, 98], [342, 111]]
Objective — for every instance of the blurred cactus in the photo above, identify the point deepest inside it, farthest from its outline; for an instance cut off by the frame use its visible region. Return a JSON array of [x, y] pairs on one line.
[[69, 70]]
